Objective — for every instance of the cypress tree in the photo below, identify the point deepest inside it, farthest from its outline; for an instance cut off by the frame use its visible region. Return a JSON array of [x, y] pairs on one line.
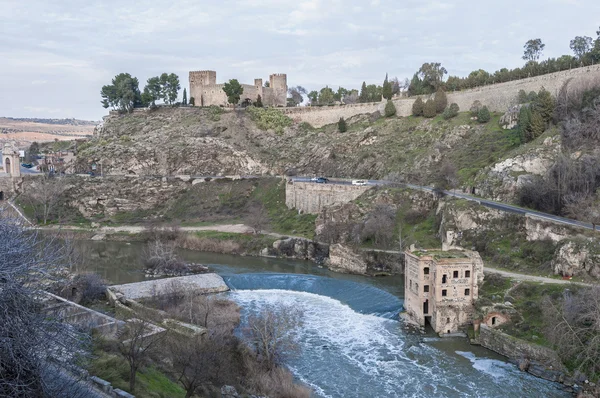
[[417, 108], [387, 89], [390, 109], [429, 109], [184, 102], [441, 101], [342, 126], [364, 96]]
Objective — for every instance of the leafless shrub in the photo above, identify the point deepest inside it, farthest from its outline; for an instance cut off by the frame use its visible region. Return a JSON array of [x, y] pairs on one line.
[[199, 362], [379, 225], [573, 327], [276, 383], [413, 216], [194, 242], [570, 98], [271, 333], [29, 340], [160, 258], [45, 196], [137, 341]]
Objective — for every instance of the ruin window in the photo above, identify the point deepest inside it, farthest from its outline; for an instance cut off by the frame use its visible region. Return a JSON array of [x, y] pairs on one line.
[[493, 320], [467, 292], [444, 278], [426, 270], [416, 286], [455, 274], [447, 320], [411, 283], [426, 288], [467, 274], [444, 293]]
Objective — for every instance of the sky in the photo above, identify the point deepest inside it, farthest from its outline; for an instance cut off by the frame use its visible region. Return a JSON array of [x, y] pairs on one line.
[[55, 55]]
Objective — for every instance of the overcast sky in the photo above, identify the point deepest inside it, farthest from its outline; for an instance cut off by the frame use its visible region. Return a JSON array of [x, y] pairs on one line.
[[55, 55]]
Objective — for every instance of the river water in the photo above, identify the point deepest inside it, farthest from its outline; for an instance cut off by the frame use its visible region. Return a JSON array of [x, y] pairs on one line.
[[352, 344]]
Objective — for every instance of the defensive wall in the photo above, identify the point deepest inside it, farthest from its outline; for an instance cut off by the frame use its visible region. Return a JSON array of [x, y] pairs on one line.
[[308, 197], [497, 97], [205, 90]]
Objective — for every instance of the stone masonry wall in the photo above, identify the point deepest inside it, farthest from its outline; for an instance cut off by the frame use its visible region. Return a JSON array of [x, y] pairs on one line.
[[497, 97], [312, 198]]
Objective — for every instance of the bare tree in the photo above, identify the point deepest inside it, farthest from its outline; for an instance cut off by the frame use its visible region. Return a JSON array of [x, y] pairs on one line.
[[160, 257], [271, 333], [573, 327], [31, 343], [136, 342], [45, 196], [202, 360], [379, 225]]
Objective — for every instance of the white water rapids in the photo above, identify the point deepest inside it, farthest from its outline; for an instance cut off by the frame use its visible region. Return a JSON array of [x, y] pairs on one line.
[[348, 354]]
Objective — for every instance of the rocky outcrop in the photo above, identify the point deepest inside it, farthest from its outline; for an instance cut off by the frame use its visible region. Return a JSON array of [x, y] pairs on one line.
[[502, 180], [577, 257], [303, 249], [344, 259]]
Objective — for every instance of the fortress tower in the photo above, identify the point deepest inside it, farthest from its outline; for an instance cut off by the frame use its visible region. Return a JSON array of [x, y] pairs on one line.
[[205, 90]]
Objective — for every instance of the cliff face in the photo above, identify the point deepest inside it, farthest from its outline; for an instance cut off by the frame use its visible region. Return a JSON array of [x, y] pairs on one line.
[[208, 141]]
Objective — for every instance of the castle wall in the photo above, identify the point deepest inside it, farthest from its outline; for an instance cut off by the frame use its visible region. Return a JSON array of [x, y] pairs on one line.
[[497, 97], [205, 90], [311, 198]]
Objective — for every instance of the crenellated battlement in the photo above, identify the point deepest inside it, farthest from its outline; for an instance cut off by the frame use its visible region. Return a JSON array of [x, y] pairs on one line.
[[205, 90]]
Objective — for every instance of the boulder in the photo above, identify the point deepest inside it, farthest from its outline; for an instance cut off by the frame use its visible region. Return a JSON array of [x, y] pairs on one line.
[[343, 258]]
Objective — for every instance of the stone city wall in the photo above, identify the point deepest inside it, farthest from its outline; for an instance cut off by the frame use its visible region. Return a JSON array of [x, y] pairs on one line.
[[497, 97], [311, 198]]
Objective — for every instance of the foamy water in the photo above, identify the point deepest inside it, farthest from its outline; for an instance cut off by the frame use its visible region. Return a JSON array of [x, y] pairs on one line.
[[349, 354]]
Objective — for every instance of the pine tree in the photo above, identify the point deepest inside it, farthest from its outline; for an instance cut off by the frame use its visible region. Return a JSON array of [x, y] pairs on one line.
[[417, 108], [342, 126], [524, 124], [390, 109], [184, 101], [538, 126], [364, 96], [441, 101], [387, 89], [429, 109]]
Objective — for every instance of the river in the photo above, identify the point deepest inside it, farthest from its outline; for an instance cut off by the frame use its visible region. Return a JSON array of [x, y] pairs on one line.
[[352, 344]]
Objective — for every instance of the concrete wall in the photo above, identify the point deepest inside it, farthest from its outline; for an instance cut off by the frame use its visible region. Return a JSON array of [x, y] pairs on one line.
[[497, 97], [311, 198]]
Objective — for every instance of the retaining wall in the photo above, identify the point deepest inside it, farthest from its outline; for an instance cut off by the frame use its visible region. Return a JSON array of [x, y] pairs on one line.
[[309, 197]]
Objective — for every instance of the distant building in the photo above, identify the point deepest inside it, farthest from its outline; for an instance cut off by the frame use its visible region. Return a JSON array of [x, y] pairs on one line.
[[205, 90], [441, 287]]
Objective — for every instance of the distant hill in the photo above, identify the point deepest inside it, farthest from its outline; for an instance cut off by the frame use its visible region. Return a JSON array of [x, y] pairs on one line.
[[69, 122]]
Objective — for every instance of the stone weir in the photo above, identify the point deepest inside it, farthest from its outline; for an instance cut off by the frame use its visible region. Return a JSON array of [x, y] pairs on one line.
[[201, 284]]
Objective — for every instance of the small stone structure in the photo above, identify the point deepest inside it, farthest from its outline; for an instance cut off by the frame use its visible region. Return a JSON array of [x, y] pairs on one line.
[[441, 288], [11, 160], [205, 90], [202, 283], [309, 197]]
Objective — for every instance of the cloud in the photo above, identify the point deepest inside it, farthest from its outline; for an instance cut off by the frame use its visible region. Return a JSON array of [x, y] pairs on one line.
[[62, 52]]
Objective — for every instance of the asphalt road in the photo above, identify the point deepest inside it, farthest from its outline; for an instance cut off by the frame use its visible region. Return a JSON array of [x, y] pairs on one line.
[[485, 202]]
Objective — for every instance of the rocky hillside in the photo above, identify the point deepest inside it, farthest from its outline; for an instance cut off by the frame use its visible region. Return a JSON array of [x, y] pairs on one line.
[[212, 142]]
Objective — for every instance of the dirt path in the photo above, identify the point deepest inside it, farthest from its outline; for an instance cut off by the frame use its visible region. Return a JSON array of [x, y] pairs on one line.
[[532, 278]]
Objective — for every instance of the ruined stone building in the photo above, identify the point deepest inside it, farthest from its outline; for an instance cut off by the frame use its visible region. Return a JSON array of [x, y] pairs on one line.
[[205, 90], [441, 287]]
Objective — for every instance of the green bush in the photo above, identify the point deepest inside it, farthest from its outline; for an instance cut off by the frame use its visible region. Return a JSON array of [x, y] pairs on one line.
[[417, 108], [441, 101], [451, 111], [390, 109], [483, 116], [475, 107], [342, 126], [214, 113], [269, 118], [429, 109]]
